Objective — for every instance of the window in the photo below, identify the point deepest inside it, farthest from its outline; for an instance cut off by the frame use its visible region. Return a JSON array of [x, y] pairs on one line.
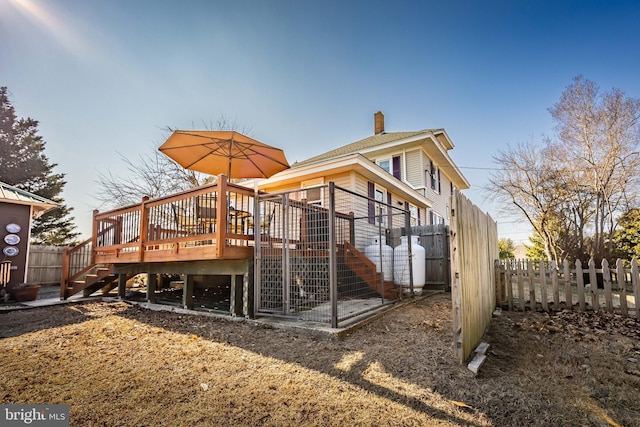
[[314, 196], [434, 218], [385, 164], [413, 211], [433, 175], [381, 207]]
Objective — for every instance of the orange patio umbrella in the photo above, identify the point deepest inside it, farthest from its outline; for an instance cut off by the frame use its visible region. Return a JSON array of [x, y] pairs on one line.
[[224, 152]]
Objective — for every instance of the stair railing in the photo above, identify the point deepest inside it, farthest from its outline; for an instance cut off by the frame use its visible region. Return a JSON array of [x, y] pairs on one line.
[[79, 260]]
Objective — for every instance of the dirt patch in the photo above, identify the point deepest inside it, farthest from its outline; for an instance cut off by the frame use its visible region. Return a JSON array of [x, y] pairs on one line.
[[122, 365]]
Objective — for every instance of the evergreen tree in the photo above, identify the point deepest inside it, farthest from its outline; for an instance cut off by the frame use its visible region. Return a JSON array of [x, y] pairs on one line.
[[627, 236], [506, 248], [23, 164]]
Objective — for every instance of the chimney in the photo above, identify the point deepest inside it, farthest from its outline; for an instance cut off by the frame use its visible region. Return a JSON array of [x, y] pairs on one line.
[[378, 123]]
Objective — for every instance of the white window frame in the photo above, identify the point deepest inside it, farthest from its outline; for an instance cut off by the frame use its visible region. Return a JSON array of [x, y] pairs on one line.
[[413, 213], [389, 163], [380, 195], [312, 183]]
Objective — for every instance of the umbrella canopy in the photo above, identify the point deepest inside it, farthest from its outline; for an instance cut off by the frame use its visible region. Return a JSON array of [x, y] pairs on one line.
[[224, 152]]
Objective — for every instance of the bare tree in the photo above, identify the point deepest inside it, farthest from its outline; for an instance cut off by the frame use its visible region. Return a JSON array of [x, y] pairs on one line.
[[530, 183], [573, 189], [153, 174], [600, 134]]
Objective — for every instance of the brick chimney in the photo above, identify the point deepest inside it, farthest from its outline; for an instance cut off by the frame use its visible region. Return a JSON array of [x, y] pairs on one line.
[[378, 123]]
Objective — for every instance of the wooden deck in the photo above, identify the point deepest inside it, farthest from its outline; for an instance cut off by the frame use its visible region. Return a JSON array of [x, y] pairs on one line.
[[211, 222], [208, 223]]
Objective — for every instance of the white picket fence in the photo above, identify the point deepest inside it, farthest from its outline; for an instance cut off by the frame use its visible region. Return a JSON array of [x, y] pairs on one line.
[[527, 284]]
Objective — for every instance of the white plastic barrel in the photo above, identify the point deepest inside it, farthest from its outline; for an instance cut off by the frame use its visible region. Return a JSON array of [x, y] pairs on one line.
[[381, 256], [401, 274]]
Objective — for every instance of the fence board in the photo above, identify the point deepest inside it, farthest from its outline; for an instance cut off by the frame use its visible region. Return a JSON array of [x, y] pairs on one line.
[[508, 284], [580, 282], [521, 285], [474, 247], [636, 285], [567, 284], [606, 278], [543, 286], [532, 288], [554, 284], [622, 286], [593, 284]]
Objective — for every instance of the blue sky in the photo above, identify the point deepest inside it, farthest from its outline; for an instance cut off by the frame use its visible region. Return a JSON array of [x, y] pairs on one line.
[[107, 77]]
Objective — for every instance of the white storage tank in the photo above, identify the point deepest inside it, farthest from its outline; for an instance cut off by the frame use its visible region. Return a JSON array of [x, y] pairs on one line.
[[382, 256], [401, 274]]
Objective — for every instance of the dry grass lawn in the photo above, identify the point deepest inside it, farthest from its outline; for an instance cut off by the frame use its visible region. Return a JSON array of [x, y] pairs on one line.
[[121, 365]]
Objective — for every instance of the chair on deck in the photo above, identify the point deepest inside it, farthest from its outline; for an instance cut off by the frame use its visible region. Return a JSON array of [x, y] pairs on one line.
[[184, 221], [198, 220], [265, 223]]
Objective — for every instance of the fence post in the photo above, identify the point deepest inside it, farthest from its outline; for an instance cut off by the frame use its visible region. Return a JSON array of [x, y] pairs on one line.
[[333, 261]]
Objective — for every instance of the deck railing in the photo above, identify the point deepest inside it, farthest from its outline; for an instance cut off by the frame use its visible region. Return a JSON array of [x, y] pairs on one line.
[[203, 223]]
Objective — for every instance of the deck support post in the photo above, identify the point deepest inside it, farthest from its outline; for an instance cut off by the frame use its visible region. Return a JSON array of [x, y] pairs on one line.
[[122, 285], [187, 292], [152, 285], [247, 295]]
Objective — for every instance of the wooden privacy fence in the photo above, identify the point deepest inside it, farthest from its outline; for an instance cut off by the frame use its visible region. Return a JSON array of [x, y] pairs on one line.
[[435, 241], [527, 284], [474, 245], [45, 264]]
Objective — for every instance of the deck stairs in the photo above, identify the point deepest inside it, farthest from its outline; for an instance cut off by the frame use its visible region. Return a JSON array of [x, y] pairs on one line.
[[98, 277], [365, 269]]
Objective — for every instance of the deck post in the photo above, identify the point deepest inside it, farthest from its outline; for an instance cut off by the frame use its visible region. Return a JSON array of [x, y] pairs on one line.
[[221, 216], [333, 258], [187, 292], [94, 237], [152, 285], [144, 228], [64, 279], [122, 285]]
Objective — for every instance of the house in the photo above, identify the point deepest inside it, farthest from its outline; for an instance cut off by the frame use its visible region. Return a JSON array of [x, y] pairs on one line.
[[407, 169], [303, 244]]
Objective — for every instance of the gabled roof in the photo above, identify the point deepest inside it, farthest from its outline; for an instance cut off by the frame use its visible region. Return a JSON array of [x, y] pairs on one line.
[[11, 194], [365, 144], [437, 150]]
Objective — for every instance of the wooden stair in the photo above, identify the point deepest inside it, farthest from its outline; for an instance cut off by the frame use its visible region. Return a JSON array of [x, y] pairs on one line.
[[96, 278], [365, 269]]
